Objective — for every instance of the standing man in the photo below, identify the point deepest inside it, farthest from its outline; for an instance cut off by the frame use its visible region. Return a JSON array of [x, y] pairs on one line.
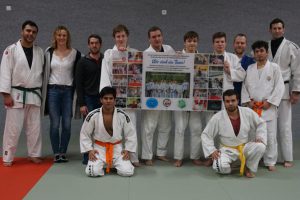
[[240, 47], [262, 91], [87, 76], [234, 127], [120, 35], [286, 54], [232, 70], [185, 118], [20, 84], [102, 134], [155, 118]]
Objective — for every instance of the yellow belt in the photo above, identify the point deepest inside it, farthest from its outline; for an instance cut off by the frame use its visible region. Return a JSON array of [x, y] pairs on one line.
[[242, 157]]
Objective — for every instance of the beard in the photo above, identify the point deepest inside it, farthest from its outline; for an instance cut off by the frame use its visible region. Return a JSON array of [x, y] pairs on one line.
[[231, 109]]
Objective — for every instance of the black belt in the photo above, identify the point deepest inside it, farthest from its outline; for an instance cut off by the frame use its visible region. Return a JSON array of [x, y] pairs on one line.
[[55, 86], [25, 90], [285, 82]]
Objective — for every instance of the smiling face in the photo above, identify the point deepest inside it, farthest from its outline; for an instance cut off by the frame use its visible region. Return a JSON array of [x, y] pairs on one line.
[[61, 37], [240, 45], [277, 30], [29, 34]]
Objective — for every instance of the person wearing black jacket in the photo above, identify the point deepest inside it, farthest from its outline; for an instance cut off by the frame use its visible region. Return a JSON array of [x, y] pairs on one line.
[[87, 77]]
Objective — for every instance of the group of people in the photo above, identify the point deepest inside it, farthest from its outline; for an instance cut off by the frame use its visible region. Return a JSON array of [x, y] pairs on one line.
[[167, 89], [266, 84]]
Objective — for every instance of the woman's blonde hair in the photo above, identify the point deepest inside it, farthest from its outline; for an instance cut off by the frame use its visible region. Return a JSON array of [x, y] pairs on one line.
[[57, 29]]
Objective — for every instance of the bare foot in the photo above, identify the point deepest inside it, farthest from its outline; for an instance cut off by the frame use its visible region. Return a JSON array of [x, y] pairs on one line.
[[35, 160], [288, 164], [198, 162], [163, 158], [7, 164], [136, 164], [178, 163], [249, 174], [149, 162], [208, 162], [271, 168]]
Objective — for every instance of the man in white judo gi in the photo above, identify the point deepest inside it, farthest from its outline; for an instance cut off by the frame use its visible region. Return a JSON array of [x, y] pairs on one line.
[[120, 35], [155, 118], [102, 137], [262, 91], [20, 84], [184, 118], [287, 55], [242, 135]]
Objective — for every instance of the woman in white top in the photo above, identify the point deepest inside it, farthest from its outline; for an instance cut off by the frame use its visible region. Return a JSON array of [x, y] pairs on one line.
[[58, 89]]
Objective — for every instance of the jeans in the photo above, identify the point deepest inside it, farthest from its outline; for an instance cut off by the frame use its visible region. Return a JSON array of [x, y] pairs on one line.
[[92, 102], [60, 101]]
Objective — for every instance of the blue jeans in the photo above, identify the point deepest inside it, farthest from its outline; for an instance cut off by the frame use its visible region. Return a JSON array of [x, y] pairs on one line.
[[60, 101], [92, 103]]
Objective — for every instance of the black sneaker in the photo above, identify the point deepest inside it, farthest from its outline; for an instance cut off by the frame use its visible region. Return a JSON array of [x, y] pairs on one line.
[[57, 158], [63, 158]]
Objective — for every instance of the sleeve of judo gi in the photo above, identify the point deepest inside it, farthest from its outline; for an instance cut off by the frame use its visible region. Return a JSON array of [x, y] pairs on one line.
[[87, 132], [295, 67], [129, 134], [245, 97], [237, 73], [6, 70]]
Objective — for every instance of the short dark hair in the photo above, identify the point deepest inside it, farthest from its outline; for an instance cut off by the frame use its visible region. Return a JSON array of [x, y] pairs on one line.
[[152, 29], [276, 21], [218, 35], [240, 35], [230, 92], [108, 90], [190, 35], [95, 36], [120, 28], [260, 44], [30, 23]]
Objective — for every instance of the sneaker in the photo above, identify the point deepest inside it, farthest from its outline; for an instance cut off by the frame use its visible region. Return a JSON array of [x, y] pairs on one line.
[[57, 158], [63, 158]]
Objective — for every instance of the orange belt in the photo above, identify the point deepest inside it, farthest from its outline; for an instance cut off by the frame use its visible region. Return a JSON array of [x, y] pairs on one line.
[[258, 107], [109, 152]]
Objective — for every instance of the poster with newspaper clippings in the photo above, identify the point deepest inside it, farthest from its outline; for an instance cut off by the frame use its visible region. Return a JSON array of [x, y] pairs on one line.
[[187, 82], [167, 81], [127, 78]]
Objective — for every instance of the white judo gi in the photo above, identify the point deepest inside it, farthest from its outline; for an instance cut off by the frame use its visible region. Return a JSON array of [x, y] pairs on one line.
[[153, 119], [220, 126], [106, 80], [269, 86], [182, 120], [288, 58], [123, 130], [24, 85]]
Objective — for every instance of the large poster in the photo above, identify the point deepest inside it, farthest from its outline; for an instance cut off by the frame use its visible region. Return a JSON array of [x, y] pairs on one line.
[[127, 78], [187, 82], [162, 81]]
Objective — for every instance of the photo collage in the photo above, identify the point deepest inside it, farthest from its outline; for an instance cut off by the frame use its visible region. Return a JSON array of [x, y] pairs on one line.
[[127, 78], [208, 82]]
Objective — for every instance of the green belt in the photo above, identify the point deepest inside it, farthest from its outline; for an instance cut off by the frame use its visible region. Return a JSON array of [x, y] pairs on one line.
[[25, 90]]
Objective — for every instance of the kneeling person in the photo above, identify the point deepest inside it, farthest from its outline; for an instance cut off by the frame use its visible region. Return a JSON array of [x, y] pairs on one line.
[[102, 134], [234, 126]]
